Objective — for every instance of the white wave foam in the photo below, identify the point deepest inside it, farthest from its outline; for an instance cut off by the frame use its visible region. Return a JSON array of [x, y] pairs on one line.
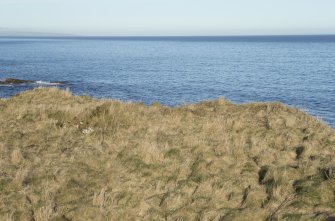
[[6, 85], [46, 83]]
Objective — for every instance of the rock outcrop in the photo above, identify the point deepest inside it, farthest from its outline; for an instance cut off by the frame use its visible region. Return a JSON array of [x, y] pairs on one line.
[[15, 81], [20, 81]]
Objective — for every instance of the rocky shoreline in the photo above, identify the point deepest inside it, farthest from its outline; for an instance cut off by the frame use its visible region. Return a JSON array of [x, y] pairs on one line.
[[14, 81]]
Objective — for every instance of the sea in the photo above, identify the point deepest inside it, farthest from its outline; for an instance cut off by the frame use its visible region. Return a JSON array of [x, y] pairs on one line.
[[298, 71]]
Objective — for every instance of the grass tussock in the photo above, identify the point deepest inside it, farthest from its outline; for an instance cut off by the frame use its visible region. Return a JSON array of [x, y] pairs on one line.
[[65, 157]]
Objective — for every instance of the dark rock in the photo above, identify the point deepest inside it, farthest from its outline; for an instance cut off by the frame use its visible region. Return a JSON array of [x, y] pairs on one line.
[[15, 81], [19, 81]]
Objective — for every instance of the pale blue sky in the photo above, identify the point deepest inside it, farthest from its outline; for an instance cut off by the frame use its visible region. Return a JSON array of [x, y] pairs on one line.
[[169, 17]]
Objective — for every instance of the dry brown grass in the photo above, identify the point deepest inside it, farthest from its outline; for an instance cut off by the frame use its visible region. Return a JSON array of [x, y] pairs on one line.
[[64, 157]]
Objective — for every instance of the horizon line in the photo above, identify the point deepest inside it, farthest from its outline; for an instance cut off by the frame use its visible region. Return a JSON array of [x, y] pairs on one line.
[[161, 36]]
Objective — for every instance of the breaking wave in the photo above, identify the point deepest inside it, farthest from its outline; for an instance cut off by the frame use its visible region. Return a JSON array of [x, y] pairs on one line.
[[47, 83]]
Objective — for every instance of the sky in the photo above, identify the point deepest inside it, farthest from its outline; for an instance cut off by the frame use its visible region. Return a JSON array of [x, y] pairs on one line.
[[169, 17]]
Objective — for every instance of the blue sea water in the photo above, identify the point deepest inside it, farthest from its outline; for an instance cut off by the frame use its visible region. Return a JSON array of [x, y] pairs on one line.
[[296, 70]]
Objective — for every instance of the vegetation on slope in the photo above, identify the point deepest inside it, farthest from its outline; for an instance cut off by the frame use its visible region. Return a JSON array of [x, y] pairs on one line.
[[65, 157]]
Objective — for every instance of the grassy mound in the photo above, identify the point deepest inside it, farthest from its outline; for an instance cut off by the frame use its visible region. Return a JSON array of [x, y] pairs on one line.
[[64, 157]]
